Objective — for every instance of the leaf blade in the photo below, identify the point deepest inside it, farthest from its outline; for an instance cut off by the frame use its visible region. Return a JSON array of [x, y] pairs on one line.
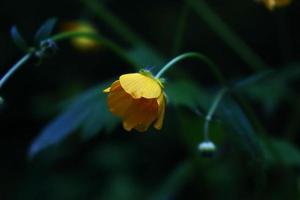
[[45, 30], [79, 113], [18, 38]]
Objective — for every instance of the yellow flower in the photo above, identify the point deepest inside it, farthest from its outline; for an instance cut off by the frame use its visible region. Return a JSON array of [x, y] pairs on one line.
[[137, 98], [271, 4], [81, 43]]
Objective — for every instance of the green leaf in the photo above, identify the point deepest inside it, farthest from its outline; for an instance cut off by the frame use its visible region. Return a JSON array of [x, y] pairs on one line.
[[251, 80], [18, 39], [238, 123], [144, 56], [282, 152], [87, 111], [186, 93], [99, 118], [273, 88], [45, 30]]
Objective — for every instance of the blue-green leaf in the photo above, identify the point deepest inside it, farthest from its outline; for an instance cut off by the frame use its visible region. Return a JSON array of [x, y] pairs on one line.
[[88, 111], [18, 39], [45, 30], [186, 93], [251, 80], [274, 88], [145, 56], [99, 118], [1, 100], [282, 152], [238, 123]]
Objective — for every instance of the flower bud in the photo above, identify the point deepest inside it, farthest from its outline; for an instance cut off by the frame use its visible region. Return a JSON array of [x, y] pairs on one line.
[[207, 148], [272, 4], [82, 43]]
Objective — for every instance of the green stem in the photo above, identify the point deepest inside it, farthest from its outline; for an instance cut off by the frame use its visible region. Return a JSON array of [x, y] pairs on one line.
[[121, 29], [73, 34], [199, 56], [68, 35], [117, 25], [212, 110], [97, 37], [14, 68]]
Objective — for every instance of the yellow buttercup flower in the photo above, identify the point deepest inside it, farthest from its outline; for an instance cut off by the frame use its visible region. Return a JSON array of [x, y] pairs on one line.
[[137, 98], [81, 43], [271, 4]]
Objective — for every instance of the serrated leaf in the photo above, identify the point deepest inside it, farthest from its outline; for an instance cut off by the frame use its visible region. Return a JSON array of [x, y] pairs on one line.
[[80, 113], [18, 39], [45, 30]]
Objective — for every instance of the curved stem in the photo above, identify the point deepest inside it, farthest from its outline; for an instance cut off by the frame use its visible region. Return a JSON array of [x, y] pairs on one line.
[[72, 34], [212, 110], [97, 37], [199, 56], [14, 68], [64, 36]]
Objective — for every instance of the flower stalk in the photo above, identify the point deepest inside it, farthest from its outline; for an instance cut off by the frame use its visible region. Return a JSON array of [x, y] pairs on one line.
[[196, 55], [14, 68], [56, 38], [211, 112]]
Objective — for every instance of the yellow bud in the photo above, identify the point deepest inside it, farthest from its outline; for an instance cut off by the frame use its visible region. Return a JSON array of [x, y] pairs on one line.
[[82, 43], [272, 4]]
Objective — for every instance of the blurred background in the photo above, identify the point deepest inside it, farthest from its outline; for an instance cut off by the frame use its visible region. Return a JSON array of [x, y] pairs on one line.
[[58, 140]]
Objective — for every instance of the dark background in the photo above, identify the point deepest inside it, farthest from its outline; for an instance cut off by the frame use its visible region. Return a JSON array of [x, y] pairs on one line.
[[122, 165]]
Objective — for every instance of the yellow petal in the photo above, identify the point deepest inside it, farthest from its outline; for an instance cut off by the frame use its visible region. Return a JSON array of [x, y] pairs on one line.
[[141, 114], [114, 86], [132, 115], [119, 102], [271, 4], [282, 2], [107, 90], [139, 85], [141, 127], [162, 104], [150, 113]]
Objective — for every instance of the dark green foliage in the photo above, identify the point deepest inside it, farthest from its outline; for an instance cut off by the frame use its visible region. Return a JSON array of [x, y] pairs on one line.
[[88, 111], [80, 151], [45, 31], [18, 39]]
